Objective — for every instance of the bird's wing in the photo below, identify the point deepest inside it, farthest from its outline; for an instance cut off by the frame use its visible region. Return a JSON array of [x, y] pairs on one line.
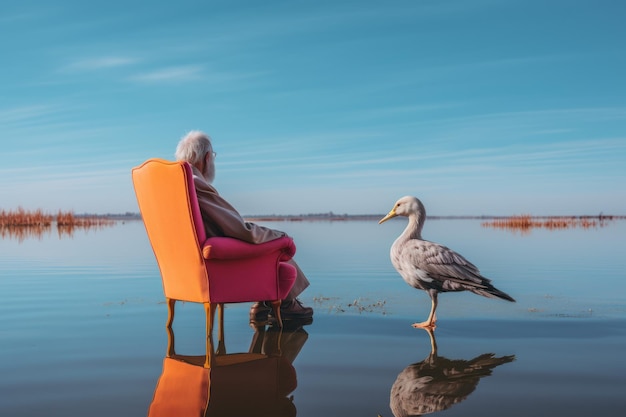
[[442, 264]]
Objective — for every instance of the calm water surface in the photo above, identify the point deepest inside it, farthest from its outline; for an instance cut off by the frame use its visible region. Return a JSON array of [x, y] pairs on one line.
[[82, 329]]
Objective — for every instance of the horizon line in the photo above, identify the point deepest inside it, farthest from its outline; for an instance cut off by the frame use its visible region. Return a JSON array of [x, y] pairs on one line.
[[345, 216]]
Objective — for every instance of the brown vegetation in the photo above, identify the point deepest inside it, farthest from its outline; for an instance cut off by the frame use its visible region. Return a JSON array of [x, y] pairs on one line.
[[21, 217], [525, 223], [21, 224], [68, 219]]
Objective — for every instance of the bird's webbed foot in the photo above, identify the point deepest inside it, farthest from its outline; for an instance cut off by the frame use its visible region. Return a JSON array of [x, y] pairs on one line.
[[428, 324], [425, 325]]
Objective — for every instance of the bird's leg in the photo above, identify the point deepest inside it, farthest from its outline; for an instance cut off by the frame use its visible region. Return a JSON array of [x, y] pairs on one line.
[[433, 341], [432, 317]]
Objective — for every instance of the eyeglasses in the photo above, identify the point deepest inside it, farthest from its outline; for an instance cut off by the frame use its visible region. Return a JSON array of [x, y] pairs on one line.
[[213, 154]]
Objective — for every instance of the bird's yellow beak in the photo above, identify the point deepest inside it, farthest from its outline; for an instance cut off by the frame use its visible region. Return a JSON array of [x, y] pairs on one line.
[[389, 215]]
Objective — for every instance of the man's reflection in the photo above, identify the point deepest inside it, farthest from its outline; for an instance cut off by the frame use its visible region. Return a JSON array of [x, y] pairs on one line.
[[258, 382], [260, 388], [437, 383]]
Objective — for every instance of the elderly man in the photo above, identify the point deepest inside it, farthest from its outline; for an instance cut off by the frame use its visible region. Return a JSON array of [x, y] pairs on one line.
[[221, 219]]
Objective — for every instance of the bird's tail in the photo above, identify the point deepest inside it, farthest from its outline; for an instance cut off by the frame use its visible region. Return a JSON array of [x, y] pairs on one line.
[[493, 292]]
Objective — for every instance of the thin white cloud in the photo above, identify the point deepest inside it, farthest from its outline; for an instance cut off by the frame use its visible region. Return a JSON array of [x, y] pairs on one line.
[[59, 169], [16, 114], [17, 17], [99, 63], [509, 126], [588, 114], [256, 24], [176, 74], [390, 111], [485, 164]]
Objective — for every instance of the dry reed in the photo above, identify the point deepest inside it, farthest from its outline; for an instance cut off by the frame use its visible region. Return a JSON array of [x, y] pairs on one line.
[[21, 217], [21, 224], [524, 223]]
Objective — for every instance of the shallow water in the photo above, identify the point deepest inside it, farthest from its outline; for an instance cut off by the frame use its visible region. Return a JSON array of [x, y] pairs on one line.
[[83, 325]]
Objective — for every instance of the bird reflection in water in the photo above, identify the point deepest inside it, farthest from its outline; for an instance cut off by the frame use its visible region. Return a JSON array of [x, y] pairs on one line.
[[437, 383], [258, 382]]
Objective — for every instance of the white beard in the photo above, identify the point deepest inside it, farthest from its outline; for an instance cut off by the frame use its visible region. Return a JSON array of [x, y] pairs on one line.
[[209, 173]]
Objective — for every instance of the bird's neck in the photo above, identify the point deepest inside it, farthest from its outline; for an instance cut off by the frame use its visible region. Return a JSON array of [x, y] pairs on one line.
[[413, 229]]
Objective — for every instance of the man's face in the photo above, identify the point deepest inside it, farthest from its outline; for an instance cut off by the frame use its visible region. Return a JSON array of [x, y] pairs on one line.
[[209, 167]]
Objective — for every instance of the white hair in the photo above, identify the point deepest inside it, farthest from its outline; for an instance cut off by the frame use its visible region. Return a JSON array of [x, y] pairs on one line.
[[193, 147]]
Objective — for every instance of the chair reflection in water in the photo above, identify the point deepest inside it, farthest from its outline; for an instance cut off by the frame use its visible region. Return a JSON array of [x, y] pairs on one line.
[[437, 383], [257, 382], [210, 271]]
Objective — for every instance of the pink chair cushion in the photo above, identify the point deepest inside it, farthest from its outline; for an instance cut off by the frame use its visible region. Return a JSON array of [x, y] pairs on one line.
[[238, 280], [229, 248], [286, 278], [234, 265]]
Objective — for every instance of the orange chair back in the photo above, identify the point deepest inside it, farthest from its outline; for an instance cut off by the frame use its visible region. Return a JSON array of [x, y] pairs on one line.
[[169, 208]]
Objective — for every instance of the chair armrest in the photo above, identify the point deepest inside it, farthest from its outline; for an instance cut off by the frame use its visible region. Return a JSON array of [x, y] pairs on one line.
[[228, 248]]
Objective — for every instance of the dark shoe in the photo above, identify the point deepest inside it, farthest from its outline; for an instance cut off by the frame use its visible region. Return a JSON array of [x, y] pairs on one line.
[[293, 309], [259, 312]]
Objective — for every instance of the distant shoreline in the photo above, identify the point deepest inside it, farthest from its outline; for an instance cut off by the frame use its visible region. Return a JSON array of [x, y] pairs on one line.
[[356, 217], [376, 217], [371, 217]]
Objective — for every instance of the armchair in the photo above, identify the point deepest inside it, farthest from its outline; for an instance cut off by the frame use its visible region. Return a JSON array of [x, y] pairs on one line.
[[193, 268]]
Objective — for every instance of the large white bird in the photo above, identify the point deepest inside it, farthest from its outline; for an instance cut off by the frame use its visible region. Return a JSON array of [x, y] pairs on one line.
[[430, 266]]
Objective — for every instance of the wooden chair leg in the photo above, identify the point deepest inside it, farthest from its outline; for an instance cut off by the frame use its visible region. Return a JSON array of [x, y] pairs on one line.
[[209, 309], [276, 310], [171, 350], [221, 344], [170, 312]]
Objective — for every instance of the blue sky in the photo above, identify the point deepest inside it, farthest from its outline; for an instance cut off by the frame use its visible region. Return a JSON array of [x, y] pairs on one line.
[[476, 107]]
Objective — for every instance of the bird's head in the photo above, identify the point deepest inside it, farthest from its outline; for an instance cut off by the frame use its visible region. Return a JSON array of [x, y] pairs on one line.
[[406, 206]]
